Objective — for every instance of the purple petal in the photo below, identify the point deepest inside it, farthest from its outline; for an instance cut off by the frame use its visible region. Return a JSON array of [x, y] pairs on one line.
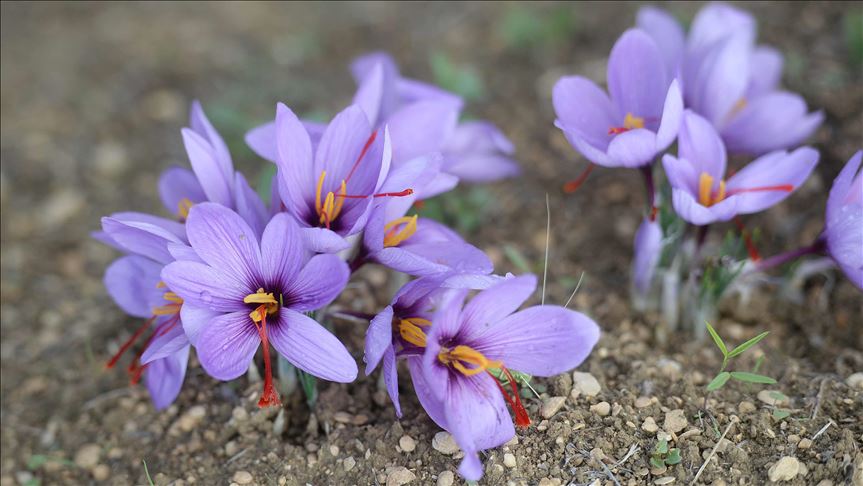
[[294, 159], [411, 90], [165, 343], [131, 282], [721, 80], [143, 238], [446, 320], [428, 399], [440, 184], [672, 114], [201, 125], [361, 69], [194, 320], [840, 191], [164, 378], [715, 22], [633, 148], [490, 306], [379, 338], [311, 348], [637, 78], [262, 141], [203, 286], [482, 168], [766, 71], [681, 174], [773, 169], [318, 283], [322, 240], [700, 145], [227, 345], [478, 136], [340, 147], [540, 340], [182, 251], [226, 242], [176, 184], [431, 258], [591, 153], [690, 210], [844, 228], [207, 169], [772, 122], [666, 32], [370, 93], [250, 207], [648, 249], [421, 128], [584, 111], [283, 251], [391, 379]]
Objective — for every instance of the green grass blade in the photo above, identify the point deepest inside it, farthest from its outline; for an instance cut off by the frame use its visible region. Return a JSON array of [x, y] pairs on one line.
[[752, 377], [716, 339], [748, 344], [718, 382]]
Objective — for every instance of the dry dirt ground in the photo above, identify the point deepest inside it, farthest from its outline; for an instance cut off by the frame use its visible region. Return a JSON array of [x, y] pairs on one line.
[[93, 96]]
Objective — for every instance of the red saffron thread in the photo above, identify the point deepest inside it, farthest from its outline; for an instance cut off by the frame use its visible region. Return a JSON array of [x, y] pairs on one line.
[[573, 185], [269, 398], [129, 342]]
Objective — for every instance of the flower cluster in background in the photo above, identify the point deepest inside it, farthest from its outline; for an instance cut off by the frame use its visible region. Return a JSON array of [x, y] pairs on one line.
[[230, 275], [717, 93]]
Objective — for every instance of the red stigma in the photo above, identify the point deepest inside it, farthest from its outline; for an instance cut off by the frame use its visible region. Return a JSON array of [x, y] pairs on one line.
[[653, 211], [270, 398], [573, 185], [514, 401], [125, 347], [363, 152], [420, 204], [406, 192], [780, 187], [617, 130], [747, 240]]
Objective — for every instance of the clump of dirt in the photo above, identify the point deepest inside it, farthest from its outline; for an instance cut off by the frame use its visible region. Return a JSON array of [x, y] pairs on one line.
[[93, 97]]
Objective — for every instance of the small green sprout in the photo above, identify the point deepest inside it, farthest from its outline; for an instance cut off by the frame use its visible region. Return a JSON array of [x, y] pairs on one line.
[[662, 456], [722, 378]]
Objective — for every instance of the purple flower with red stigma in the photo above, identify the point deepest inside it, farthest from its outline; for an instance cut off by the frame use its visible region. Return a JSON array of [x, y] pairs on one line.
[[638, 120], [462, 344], [398, 331], [730, 81], [843, 231], [330, 188], [700, 192], [257, 291]]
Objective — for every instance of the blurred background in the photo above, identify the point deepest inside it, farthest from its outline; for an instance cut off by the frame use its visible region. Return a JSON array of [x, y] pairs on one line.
[[94, 96]]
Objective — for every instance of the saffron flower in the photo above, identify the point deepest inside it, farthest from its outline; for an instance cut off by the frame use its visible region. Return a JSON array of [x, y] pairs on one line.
[[398, 331], [648, 249], [640, 118], [410, 244], [700, 193], [330, 188], [731, 81], [257, 291], [843, 232], [464, 343]]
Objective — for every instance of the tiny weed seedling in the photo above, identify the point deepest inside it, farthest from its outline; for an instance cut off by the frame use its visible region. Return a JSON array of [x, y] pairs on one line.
[[662, 456], [745, 376]]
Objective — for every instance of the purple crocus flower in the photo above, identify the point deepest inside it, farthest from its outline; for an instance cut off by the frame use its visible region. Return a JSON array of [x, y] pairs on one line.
[[330, 188], [730, 81], [413, 245], [648, 249], [410, 314], [700, 193], [638, 121], [462, 344], [258, 290], [843, 232]]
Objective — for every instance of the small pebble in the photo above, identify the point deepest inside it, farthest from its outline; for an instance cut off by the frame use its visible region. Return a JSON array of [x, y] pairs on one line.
[[400, 475], [664, 480], [804, 444], [550, 406], [349, 463], [785, 469], [445, 478], [88, 456], [855, 381], [649, 425], [675, 421], [772, 397], [509, 460], [243, 477], [584, 384], [343, 417], [745, 407], [407, 443], [444, 443], [101, 472], [602, 409], [642, 402]]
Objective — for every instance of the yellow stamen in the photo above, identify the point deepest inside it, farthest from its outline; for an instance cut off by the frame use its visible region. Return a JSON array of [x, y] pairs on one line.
[[394, 236], [331, 206], [706, 196], [465, 354], [327, 213], [161, 284], [738, 107], [318, 191], [172, 297], [266, 300], [183, 208], [168, 309], [340, 201], [631, 121], [411, 330]]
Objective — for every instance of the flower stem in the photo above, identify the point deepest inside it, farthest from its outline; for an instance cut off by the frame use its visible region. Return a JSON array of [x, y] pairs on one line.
[[647, 170], [782, 258]]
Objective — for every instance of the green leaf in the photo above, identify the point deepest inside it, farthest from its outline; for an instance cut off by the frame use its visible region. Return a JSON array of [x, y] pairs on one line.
[[662, 446], [310, 387], [718, 382], [673, 457], [657, 462], [462, 80], [147, 473], [716, 339], [748, 344], [752, 377], [778, 396], [517, 259], [781, 413], [36, 461]]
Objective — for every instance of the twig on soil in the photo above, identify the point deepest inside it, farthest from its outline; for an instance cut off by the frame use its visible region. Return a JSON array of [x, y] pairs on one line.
[[632, 450], [547, 239], [818, 398], [609, 473], [713, 451], [237, 455], [577, 286], [119, 392], [823, 429]]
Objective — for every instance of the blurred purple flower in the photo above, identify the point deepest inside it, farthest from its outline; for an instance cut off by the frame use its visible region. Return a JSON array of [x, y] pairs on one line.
[[700, 193], [730, 81], [648, 249], [256, 292], [843, 231], [462, 344], [638, 121]]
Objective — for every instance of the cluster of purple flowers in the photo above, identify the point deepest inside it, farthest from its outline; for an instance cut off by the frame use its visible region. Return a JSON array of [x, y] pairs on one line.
[[716, 91], [227, 275]]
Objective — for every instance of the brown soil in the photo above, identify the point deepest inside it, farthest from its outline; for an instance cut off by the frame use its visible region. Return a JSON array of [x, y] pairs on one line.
[[93, 96]]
